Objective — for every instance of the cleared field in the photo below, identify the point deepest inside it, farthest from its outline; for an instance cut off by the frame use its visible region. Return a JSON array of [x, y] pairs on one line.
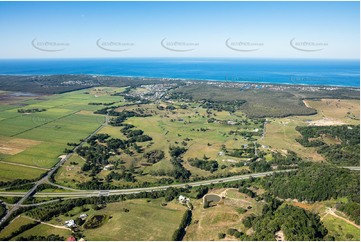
[[112, 131], [208, 222], [281, 134], [11, 172], [346, 111], [144, 221]]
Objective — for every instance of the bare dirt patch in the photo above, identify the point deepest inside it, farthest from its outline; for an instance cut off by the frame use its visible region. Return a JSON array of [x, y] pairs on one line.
[[279, 236], [347, 111], [303, 205], [12, 146], [326, 122]]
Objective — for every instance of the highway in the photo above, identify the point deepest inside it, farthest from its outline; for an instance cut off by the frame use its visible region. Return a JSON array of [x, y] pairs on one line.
[[98, 193]]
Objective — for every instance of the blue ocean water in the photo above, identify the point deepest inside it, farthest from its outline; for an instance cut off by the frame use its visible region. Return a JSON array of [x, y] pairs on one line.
[[281, 71]]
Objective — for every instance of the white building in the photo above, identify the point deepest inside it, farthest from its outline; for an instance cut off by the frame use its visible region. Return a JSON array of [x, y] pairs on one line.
[[183, 199], [108, 167], [70, 223]]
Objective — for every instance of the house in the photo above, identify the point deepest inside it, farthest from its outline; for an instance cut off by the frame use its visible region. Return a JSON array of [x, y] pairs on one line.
[[230, 122], [108, 167], [83, 216], [183, 199], [70, 223], [71, 238]]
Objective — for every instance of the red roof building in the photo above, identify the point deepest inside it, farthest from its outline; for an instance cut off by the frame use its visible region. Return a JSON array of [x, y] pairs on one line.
[[71, 238]]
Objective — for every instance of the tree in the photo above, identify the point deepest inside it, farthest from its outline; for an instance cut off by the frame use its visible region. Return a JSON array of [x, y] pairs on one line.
[[221, 235]]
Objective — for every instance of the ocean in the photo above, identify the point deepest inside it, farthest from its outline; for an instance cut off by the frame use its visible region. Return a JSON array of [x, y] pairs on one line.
[[277, 71]]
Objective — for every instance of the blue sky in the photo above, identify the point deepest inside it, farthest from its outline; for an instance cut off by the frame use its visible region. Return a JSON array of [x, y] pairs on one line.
[[188, 29]]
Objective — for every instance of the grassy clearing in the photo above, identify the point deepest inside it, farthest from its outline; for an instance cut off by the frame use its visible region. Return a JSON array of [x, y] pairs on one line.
[[340, 229], [112, 131], [207, 223], [281, 135], [144, 221], [347, 111]]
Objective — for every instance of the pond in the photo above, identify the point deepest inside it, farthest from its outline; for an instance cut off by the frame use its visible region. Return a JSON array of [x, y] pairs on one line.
[[212, 198]]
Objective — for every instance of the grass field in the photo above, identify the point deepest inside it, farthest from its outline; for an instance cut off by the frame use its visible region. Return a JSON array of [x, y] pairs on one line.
[[10, 172], [346, 111], [44, 230], [281, 134], [207, 223], [339, 229], [144, 221]]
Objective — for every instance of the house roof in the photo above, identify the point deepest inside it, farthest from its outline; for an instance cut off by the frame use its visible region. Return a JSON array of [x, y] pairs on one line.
[[71, 238]]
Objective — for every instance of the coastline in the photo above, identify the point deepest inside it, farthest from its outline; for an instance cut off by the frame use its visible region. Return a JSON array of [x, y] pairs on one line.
[[204, 81]]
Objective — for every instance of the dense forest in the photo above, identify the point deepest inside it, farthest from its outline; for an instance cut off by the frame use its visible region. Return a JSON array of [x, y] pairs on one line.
[[315, 182], [346, 151], [296, 224], [208, 165]]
